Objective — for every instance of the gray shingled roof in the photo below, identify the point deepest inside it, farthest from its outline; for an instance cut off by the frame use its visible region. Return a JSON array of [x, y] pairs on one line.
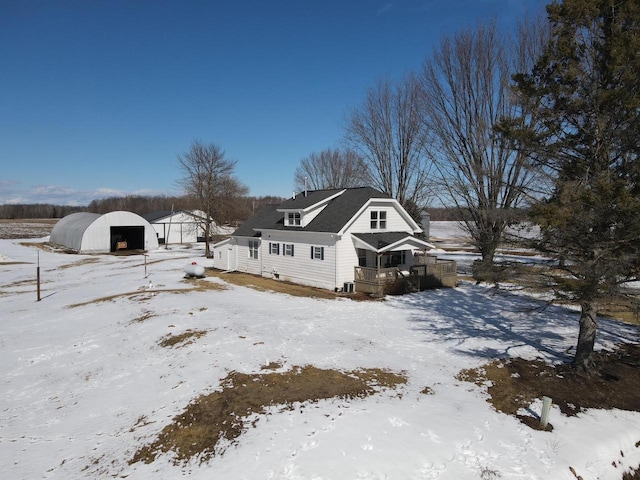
[[266, 217], [342, 209], [153, 216], [331, 220], [302, 201], [382, 239]]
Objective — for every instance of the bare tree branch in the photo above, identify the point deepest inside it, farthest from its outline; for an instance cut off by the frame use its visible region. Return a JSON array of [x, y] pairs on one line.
[[208, 179], [331, 169]]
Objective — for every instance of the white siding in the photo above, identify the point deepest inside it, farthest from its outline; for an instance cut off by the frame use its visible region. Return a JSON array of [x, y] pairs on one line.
[[223, 254], [347, 260], [244, 263], [179, 228], [97, 236], [300, 268], [395, 221], [310, 215]]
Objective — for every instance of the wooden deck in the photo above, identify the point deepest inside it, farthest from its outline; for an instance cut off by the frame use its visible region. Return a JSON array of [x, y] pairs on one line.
[[426, 274]]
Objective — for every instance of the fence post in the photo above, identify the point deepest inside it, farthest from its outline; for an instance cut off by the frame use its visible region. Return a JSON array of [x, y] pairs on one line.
[[546, 408], [38, 276]]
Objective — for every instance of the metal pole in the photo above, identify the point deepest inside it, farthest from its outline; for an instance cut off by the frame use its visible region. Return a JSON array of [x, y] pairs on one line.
[[38, 276]]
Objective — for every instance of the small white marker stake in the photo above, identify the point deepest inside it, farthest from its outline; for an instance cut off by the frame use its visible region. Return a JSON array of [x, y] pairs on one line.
[[546, 408]]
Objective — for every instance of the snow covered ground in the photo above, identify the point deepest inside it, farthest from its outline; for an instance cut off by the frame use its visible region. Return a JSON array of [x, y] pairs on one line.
[[453, 243], [85, 383]]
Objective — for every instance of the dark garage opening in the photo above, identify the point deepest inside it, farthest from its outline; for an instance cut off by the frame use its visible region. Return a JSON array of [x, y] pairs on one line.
[[127, 238]]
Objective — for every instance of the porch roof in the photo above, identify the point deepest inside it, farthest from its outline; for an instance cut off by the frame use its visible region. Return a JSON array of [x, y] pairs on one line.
[[388, 241]]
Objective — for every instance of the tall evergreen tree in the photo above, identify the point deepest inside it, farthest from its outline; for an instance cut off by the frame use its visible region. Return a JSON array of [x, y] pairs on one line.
[[583, 96]]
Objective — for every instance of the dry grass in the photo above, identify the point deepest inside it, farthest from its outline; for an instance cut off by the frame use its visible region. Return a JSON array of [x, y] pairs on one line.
[[182, 339], [513, 384], [214, 421], [145, 315], [280, 286], [145, 295], [80, 263]]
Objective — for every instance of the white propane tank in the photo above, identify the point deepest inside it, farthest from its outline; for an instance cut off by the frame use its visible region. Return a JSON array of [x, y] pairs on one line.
[[194, 270]]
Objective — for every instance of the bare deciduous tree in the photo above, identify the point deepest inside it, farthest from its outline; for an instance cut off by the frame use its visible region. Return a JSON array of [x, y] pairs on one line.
[[466, 87], [387, 132], [208, 180], [331, 168]]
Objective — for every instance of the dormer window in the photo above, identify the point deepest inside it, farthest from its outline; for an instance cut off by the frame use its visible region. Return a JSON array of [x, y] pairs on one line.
[[378, 220], [293, 219]]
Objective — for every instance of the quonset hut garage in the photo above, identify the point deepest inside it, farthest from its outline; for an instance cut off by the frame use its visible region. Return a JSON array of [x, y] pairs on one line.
[[86, 232]]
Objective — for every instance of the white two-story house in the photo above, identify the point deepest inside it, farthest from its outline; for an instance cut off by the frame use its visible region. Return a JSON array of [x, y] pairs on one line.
[[319, 238]]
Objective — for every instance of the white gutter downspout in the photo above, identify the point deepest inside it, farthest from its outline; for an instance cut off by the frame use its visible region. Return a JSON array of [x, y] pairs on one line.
[[335, 261], [261, 264]]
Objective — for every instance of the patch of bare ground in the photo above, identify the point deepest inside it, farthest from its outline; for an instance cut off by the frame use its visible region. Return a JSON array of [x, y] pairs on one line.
[[264, 284], [182, 339], [513, 384], [145, 294], [79, 263], [632, 474], [145, 315], [26, 228], [212, 422]]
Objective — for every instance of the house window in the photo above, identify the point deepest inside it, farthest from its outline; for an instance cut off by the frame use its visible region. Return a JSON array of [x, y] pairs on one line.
[[294, 219], [317, 253], [253, 249], [274, 248], [288, 249], [396, 258], [378, 220], [362, 257]]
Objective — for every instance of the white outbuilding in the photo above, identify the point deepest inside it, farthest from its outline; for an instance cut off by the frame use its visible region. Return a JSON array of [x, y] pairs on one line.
[[86, 232], [178, 227], [183, 226]]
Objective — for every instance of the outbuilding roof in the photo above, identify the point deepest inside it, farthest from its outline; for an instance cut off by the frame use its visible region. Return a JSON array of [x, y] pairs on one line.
[[68, 230], [157, 215]]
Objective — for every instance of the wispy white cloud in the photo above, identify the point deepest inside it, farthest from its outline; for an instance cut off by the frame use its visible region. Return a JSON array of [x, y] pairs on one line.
[[387, 7], [12, 193]]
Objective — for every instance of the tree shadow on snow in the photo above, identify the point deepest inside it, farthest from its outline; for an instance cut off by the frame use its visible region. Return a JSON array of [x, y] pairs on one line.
[[485, 322]]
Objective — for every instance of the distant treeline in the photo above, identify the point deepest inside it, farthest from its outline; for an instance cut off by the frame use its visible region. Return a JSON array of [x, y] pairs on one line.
[[15, 212], [239, 210]]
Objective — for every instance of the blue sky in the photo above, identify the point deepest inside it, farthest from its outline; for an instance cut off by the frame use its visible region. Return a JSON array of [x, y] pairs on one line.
[[97, 97]]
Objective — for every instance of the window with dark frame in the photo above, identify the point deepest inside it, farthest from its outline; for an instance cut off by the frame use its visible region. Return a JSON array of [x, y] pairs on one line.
[[382, 220], [274, 248], [287, 249], [378, 220], [253, 249], [317, 253], [294, 219]]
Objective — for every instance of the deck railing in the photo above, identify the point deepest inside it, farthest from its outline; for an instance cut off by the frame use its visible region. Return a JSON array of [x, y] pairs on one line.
[[428, 273], [374, 276]]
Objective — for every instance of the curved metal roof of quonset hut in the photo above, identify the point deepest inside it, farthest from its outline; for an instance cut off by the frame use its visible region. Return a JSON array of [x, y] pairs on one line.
[[69, 230], [91, 233]]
